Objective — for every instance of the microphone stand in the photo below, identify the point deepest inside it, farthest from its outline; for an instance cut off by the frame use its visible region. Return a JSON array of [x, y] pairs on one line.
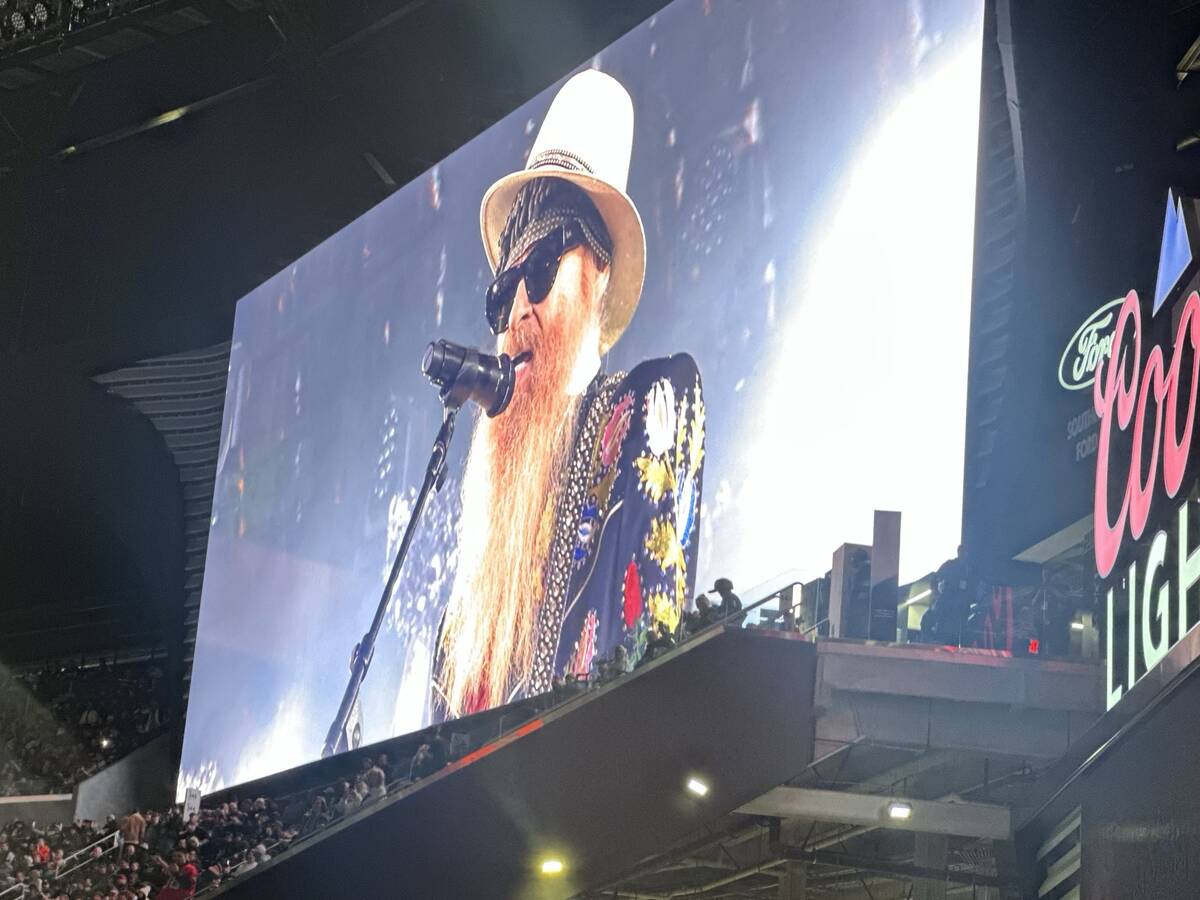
[[339, 737]]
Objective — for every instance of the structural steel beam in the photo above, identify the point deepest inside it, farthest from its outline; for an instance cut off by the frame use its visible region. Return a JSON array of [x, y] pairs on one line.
[[894, 869], [977, 820]]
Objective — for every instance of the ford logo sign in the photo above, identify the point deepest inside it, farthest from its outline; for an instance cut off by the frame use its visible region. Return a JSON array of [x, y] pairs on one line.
[[1091, 343]]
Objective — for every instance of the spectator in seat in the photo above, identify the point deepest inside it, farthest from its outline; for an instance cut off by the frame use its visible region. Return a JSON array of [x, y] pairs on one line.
[[293, 813], [318, 815], [434, 754], [376, 784], [620, 661], [181, 886], [422, 763], [349, 801], [248, 862]]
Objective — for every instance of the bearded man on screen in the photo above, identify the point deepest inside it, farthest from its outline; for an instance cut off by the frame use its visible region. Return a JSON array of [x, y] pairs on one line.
[[580, 503]]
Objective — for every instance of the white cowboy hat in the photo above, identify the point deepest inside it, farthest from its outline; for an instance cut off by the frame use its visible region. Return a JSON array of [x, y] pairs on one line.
[[586, 138]]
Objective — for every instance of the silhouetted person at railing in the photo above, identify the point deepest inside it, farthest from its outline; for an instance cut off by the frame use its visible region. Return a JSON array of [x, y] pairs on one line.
[[929, 621], [731, 603], [701, 617], [605, 669], [659, 643], [439, 746], [955, 591]]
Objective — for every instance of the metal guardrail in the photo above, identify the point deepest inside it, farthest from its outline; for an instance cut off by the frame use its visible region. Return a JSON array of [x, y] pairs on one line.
[[760, 595], [113, 838], [756, 598]]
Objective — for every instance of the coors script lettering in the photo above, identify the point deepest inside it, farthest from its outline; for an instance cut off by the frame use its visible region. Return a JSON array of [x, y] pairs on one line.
[[1130, 394]]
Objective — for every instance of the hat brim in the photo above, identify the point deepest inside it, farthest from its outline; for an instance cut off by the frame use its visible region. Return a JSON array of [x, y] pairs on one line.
[[624, 227]]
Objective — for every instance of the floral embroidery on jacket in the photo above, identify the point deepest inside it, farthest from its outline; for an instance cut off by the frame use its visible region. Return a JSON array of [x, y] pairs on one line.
[[580, 662], [670, 470]]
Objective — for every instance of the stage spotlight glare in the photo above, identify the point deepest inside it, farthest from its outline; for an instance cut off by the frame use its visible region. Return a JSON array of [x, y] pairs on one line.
[[898, 810], [552, 867], [697, 787]]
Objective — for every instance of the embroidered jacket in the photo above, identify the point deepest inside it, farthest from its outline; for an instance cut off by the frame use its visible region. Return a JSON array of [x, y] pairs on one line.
[[623, 554]]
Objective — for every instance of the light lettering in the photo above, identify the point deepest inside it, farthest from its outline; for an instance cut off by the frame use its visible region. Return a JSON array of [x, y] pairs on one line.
[[1131, 593], [1188, 569], [1153, 651], [1114, 693]]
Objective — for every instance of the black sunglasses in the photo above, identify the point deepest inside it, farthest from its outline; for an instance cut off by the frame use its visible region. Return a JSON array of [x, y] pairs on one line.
[[538, 270]]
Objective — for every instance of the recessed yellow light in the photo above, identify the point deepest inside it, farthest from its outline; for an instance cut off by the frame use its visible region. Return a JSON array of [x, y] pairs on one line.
[[697, 787], [552, 867]]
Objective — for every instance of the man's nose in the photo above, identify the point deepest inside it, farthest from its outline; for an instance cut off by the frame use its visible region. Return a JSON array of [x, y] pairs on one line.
[[522, 308]]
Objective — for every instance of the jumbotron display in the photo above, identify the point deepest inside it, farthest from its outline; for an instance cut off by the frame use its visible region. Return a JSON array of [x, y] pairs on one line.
[[730, 261]]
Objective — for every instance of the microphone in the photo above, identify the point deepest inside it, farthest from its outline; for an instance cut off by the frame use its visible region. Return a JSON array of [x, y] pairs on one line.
[[463, 373]]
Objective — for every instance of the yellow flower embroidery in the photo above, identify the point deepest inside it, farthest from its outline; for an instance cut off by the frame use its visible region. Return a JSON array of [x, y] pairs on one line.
[[657, 478], [662, 545], [664, 609]]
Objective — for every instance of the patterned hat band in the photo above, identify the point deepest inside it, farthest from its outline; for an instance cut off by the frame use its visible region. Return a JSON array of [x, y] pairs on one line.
[[541, 206], [563, 159]]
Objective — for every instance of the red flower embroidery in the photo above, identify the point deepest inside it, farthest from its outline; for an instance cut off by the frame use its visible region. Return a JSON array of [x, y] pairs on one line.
[[615, 430], [633, 595]]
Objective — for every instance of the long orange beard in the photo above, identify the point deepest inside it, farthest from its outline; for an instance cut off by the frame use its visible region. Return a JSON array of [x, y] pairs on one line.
[[510, 492]]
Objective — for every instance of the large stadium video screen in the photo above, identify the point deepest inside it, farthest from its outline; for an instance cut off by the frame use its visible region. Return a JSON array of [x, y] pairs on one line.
[[730, 259]]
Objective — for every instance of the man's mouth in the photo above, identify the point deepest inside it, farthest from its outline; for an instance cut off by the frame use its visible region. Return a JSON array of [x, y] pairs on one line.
[[522, 360]]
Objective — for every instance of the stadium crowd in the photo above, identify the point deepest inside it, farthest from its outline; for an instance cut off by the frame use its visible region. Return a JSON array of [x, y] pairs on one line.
[[167, 855], [60, 725]]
